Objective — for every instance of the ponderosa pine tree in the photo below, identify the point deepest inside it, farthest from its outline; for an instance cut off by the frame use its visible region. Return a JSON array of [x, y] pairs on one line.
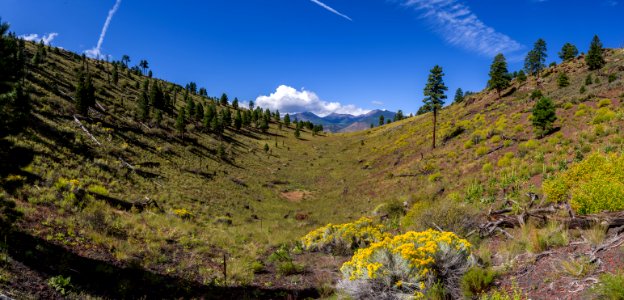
[[14, 102], [125, 59], [382, 120], [434, 95], [297, 133], [144, 108], [115, 74], [199, 112], [277, 116], [223, 101], [594, 57], [535, 59], [226, 117], [568, 52], [563, 80], [459, 96], [238, 120], [499, 75], [85, 94], [144, 65], [287, 120], [521, 76], [181, 122], [235, 103], [544, 115], [157, 99]]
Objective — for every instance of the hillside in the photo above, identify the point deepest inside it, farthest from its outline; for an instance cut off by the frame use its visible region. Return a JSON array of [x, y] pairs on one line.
[[129, 208]]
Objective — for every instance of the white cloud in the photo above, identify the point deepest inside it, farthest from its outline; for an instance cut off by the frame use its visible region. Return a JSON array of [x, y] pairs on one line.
[[46, 38], [460, 27], [327, 7], [96, 52], [378, 103], [291, 100]]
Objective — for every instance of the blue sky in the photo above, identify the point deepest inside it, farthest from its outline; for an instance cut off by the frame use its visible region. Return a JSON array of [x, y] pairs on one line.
[[319, 55]]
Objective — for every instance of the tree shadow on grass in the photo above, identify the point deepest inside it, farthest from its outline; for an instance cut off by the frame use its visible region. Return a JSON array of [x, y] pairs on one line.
[[108, 280]]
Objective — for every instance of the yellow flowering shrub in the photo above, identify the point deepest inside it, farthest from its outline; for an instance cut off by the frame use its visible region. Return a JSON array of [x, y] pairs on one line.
[[349, 236], [408, 264], [593, 185], [182, 213]]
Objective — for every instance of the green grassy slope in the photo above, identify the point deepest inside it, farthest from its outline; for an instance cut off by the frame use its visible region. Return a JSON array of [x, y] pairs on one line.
[[249, 202]]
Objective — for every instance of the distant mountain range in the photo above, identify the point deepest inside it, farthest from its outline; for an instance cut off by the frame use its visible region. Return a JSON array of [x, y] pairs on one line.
[[344, 122]]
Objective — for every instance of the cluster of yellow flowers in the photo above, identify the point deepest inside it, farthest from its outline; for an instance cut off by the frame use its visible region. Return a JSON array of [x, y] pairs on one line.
[[182, 213], [408, 259], [360, 233], [596, 184]]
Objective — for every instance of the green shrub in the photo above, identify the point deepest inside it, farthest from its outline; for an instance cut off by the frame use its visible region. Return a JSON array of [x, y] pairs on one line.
[[288, 268], [487, 168], [593, 185], [610, 286], [60, 284], [604, 103], [435, 177], [483, 150], [98, 189], [446, 214], [257, 266], [603, 115], [505, 161], [476, 281], [612, 78]]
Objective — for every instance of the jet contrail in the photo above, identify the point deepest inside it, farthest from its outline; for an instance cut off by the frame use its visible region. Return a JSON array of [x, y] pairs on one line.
[[327, 7], [96, 52]]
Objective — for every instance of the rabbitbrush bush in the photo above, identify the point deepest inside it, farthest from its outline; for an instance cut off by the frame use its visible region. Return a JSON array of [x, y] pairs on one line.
[[345, 237], [595, 184], [407, 266]]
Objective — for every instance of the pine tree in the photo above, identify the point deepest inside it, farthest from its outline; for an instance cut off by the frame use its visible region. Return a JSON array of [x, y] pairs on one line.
[[115, 74], [535, 59], [568, 52], [563, 80], [434, 95], [459, 96], [287, 120], [277, 116], [85, 94], [238, 120], [224, 100], [181, 122], [199, 112], [157, 99], [521, 76], [264, 125], [381, 120], [544, 115], [266, 147], [144, 65], [235, 103], [589, 80], [227, 117], [125, 59], [499, 75], [144, 108], [297, 133], [594, 58], [159, 117]]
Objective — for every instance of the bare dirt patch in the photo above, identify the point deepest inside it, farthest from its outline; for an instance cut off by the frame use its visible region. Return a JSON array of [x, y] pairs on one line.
[[295, 196]]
